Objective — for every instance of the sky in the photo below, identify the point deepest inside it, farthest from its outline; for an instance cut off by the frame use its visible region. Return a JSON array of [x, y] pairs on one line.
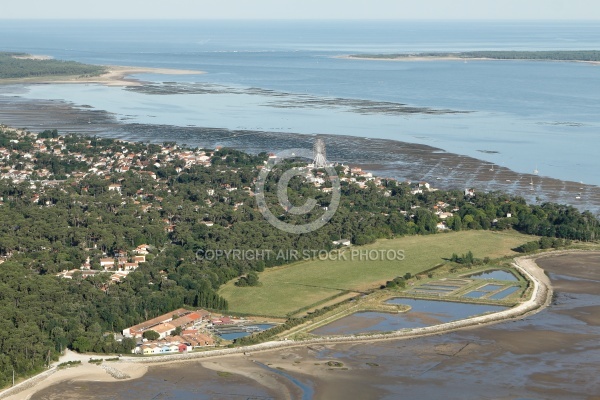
[[302, 9]]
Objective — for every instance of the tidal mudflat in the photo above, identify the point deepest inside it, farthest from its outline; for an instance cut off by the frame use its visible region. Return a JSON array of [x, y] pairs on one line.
[[386, 158], [554, 354]]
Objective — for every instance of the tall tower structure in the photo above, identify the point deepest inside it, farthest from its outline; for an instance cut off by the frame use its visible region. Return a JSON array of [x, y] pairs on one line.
[[320, 155]]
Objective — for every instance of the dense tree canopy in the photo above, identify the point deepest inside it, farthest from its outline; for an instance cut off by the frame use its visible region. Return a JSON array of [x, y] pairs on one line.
[[183, 215], [551, 55], [17, 65]]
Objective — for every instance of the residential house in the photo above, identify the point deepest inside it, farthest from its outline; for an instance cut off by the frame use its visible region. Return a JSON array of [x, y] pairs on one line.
[[142, 249], [183, 348], [107, 263], [164, 329]]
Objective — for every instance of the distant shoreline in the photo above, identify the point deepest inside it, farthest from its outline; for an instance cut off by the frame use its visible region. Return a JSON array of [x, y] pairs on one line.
[[115, 76], [452, 58], [582, 56]]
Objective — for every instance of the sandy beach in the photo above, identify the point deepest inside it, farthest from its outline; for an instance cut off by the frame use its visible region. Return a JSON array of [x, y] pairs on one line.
[[85, 372], [116, 76]]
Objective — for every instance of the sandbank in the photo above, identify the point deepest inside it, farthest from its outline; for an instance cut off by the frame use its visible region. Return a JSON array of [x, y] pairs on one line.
[[115, 76]]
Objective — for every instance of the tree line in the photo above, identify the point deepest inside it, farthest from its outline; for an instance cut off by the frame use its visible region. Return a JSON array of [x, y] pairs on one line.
[[550, 55], [12, 67]]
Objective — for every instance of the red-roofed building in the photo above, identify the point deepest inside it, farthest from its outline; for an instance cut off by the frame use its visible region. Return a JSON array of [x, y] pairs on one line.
[[194, 317], [164, 330]]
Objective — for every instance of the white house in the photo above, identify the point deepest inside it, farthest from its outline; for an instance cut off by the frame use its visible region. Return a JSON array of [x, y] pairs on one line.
[[342, 242]]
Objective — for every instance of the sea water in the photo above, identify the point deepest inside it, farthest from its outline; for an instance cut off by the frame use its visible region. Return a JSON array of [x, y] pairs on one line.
[[521, 115]]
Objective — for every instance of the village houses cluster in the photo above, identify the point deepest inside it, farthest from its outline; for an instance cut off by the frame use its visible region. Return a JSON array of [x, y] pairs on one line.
[[108, 163], [104, 163], [182, 331]]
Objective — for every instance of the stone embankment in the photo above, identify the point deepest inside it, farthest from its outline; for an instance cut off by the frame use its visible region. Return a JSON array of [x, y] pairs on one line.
[[29, 383], [115, 373]]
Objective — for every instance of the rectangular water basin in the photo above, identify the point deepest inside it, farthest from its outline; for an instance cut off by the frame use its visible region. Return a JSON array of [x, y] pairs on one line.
[[475, 294], [504, 293], [494, 274], [490, 287]]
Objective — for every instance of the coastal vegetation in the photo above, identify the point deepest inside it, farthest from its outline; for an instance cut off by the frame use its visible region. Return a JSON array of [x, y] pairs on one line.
[[543, 243], [21, 65], [68, 202], [551, 55]]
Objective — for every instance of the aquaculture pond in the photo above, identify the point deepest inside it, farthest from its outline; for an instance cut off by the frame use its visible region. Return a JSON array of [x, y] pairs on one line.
[[475, 294], [490, 288], [504, 293], [422, 313], [239, 332], [498, 274]]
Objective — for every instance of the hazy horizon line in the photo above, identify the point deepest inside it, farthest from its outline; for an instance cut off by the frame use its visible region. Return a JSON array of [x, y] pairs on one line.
[[303, 19]]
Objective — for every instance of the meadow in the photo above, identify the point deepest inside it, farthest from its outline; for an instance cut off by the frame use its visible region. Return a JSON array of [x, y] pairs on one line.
[[296, 287]]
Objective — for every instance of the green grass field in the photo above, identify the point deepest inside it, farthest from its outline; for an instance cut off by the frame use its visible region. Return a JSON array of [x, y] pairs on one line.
[[293, 287]]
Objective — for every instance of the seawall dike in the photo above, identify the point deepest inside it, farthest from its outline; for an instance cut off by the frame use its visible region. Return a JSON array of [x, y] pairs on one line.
[[541, 295]]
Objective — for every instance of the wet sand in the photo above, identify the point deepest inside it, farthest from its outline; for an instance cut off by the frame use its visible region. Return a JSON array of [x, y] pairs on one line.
[[174, 382], [554, 354], [80, 377], [386, 158]]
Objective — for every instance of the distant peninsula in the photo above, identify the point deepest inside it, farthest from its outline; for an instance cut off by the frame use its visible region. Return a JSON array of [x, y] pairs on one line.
[[592, 56], [27, 68], [22, 65]]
